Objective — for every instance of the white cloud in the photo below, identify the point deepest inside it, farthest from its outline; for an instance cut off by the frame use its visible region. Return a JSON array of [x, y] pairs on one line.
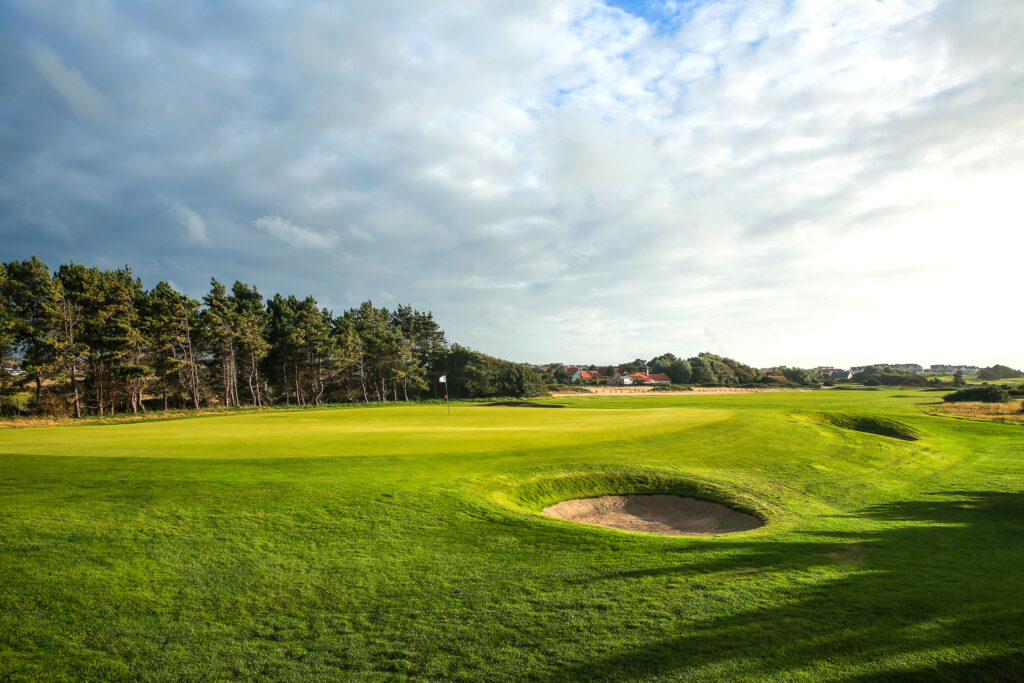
[[295, 235], [80, 95], [195, 226], [361, 235]]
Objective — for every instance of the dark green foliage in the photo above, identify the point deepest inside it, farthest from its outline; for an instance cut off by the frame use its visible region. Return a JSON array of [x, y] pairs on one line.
[[472, 374], [638, 365], [799, 375], [997, 372], [890, 377], [99, 343], [986, 394], [677, 369]]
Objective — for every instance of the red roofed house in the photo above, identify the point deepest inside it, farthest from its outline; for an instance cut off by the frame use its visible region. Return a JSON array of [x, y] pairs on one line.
[[586, 376], [659, 378]]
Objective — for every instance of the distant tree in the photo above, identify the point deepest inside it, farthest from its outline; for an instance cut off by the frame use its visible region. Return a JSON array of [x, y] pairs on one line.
[[250, 320], [958, 378], [889, 377], [638, 365], [169, 322], [96, 340], [702, 371], [799, 375], [218, 331], [985, 394], [558, 374], [678, 370], [30, 296], [997, 372]]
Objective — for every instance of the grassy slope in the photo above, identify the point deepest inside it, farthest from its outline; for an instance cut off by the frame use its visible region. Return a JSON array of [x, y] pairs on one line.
[[394, 542]]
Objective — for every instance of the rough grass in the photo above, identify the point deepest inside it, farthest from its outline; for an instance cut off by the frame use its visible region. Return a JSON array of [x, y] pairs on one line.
[[987, 411], [394, 543]]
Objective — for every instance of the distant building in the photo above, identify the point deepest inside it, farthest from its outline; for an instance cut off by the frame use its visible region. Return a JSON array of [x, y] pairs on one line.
[[950, 369], [582, 376], [841, 374], [824, 370], [659, 378], [619, 379], [909, 367]]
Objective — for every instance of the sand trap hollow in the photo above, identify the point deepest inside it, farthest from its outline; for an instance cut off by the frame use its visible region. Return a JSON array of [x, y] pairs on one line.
[[656, 514]]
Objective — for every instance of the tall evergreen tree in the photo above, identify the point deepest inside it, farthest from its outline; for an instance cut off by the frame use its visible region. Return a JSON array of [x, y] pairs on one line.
[[168, 322], [249, 320], [218, 327], [31, 298]]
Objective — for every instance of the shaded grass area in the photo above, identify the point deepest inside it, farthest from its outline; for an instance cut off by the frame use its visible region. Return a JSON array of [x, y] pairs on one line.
[[389, 544], [868, 424]]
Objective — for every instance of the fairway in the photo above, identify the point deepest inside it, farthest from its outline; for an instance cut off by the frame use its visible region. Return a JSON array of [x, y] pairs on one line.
[[396, 542]]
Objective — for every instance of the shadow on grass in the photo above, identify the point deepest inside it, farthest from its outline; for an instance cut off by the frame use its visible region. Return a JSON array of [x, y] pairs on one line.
[[526, 404], [939, 595]]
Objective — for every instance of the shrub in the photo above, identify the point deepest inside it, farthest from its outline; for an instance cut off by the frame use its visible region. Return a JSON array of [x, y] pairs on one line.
[[987, 394]]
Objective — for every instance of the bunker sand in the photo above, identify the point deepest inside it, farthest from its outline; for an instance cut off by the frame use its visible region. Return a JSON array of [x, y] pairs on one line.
[[656, 514]]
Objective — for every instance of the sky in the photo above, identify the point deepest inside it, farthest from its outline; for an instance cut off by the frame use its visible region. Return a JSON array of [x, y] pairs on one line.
[[798, 182]]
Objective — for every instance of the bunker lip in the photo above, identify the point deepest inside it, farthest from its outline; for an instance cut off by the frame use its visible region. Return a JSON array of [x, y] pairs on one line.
[[663, 514]]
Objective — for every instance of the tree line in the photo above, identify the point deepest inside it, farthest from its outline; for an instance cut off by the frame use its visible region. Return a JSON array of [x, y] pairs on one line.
[[704, 369], [96, 342]]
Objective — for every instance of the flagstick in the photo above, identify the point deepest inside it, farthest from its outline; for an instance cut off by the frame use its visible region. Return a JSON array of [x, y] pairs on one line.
[[447, 400]]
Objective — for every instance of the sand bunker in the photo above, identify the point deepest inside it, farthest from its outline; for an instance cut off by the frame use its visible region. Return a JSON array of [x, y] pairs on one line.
[[656, 514]]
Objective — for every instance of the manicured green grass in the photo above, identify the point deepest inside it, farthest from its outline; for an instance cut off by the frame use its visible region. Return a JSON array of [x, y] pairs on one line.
[[396, 543]]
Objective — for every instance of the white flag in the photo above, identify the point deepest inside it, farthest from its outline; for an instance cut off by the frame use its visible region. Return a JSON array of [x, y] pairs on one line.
[[443, 378]]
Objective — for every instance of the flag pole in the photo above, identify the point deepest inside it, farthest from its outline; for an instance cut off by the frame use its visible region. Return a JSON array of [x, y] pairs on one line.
[[447, 400]]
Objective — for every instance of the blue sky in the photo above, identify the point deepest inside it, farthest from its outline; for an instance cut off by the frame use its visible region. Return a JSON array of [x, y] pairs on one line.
[[802, 182]]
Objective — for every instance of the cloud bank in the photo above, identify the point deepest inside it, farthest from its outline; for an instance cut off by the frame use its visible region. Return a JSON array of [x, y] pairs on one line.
[[801, 182]]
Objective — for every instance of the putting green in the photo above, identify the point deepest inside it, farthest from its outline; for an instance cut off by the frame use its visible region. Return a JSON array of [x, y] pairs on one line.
[[396, 430]]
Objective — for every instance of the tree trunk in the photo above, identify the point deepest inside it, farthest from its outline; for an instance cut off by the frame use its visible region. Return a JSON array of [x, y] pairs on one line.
[[362, 379], [298, 394], [74, 389], [284, 383], [256, 372], [252, 373]]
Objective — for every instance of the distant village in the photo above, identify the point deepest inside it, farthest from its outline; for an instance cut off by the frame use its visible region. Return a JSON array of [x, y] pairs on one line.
[[828, 372], [616, 376]]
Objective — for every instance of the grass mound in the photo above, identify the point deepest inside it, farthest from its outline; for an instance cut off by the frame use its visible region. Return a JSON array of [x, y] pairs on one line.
[[881, 426]]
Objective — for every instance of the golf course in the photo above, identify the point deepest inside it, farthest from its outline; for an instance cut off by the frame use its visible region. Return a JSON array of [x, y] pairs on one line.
[[399, 542]]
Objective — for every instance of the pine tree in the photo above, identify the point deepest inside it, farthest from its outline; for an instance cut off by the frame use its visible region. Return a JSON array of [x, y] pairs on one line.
[[218, 327]]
